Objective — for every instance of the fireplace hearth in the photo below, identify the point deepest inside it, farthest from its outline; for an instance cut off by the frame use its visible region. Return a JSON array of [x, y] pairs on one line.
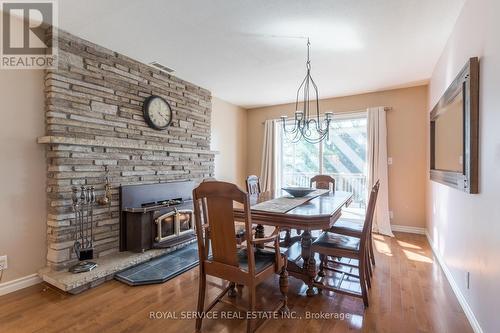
[[156, 215]]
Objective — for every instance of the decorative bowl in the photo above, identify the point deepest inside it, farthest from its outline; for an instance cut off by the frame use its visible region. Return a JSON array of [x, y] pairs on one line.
[[297, 191]]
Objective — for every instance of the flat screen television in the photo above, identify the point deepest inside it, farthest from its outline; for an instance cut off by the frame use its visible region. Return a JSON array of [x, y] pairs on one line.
[[454, 131]]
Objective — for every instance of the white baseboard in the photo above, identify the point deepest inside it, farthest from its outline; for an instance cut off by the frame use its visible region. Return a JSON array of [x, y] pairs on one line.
[[411, 230], [23, 282], [456, 290]]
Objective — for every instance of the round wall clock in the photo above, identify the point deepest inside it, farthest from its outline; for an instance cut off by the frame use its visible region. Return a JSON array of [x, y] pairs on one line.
[[157, 112]]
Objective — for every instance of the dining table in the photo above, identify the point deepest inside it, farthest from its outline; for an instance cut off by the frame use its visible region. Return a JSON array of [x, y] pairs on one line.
[[317, 213]]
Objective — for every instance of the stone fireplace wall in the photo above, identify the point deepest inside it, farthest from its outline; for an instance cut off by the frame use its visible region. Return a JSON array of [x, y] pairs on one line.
[[94, 123]]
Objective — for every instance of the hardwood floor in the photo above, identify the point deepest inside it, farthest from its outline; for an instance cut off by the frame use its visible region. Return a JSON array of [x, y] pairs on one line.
[[409, 294]]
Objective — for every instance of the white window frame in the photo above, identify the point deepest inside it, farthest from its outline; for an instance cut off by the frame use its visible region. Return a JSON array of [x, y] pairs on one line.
[[281, 141]]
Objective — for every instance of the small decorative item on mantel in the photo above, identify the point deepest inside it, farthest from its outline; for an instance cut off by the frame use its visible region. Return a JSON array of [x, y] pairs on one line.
[[83, 207]]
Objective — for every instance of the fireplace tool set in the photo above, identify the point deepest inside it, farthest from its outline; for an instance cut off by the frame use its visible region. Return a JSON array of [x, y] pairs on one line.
[[83, 207]]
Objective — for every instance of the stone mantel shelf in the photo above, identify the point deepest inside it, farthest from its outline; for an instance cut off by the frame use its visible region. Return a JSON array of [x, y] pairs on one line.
[[119, 143]]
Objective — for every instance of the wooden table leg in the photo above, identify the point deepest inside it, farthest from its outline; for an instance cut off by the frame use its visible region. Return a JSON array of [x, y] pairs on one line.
[[259, 233], [309, 265]]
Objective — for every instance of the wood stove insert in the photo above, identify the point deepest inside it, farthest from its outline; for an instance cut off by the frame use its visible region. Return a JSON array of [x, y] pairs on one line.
[[156, 215]]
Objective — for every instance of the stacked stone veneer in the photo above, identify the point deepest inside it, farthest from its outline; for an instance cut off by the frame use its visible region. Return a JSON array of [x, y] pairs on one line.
[[94, 122]]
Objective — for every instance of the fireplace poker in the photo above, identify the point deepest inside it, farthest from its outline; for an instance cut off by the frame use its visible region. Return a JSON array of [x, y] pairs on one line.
[[87, 209], [74, 198], [92, 201], [81, 206]]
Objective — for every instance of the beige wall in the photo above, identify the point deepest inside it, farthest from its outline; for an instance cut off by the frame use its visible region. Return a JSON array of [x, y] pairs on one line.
[[465, 228], [22, 172], [229, 137], [406, 144]]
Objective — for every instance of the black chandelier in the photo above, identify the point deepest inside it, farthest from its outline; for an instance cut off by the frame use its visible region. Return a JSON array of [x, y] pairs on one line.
[[305, 126]]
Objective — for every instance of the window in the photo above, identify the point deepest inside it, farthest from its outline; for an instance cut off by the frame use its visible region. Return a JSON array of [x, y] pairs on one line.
[[343, 157]]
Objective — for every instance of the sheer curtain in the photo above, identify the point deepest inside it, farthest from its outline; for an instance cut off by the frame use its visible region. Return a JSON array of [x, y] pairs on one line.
[[270, 156], [377, 168]]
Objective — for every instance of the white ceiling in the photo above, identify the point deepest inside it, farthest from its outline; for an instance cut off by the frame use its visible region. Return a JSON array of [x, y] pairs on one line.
[[248, 53]]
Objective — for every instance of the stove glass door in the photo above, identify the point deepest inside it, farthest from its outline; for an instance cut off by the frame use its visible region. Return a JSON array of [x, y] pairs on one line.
[[173, 224]]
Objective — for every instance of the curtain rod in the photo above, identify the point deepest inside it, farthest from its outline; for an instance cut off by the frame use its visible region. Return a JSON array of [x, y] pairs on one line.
[[386, 108]]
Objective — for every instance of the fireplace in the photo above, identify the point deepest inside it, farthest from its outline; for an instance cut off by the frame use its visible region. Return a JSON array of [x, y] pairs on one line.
[[156, 215]]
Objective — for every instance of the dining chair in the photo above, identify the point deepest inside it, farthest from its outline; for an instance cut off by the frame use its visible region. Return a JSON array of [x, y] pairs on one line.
[[248, 266], [330, 244], [354, 229], [253, 184], [323, 182], [253, 188]]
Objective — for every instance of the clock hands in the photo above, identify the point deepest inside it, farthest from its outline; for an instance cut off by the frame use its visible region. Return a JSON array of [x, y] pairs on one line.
[[161, 115]]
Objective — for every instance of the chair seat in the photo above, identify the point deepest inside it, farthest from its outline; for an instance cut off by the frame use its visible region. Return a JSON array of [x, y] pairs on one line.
[[347, 227], [331, 240], [263, 259]]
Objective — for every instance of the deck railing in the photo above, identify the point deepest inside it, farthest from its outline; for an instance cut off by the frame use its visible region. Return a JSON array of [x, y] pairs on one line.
[[355, 183]]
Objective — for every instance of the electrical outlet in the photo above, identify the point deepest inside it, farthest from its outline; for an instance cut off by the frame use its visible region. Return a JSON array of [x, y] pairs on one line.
[[389, 161], [467, 281], [3, 262], [391, 214]]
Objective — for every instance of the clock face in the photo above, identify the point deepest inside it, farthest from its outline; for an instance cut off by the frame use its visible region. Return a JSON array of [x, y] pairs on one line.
[[157, 112]]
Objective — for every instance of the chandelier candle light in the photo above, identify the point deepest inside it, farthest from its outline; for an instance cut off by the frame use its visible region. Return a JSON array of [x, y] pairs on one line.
[[312, 129]]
